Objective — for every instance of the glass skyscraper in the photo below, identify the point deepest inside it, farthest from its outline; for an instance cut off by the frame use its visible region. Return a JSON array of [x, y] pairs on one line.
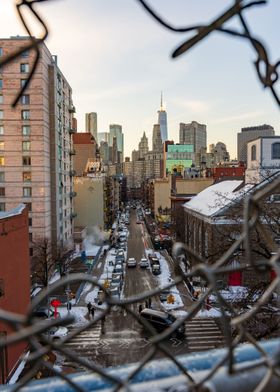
[[162, 121]]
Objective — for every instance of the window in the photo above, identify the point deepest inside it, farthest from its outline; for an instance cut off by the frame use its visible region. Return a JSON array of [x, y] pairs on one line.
[[1, 83], [2, 146], [2, 207], [25, 99], [27, 192], [275, 151], [2, 191], [24, 68], [26, 176], [2, 176], [25, 54], [29, 221], [26, 130], [30, 237], [1, 98], [22, 82], [1, 51], [253, 153], [1, 130], [26, 161], [25, 114], [29, 206], [2, 161], [1, 114], [26, 146]]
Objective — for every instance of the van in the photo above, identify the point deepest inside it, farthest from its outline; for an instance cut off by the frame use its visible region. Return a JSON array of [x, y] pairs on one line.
[[160, 321]]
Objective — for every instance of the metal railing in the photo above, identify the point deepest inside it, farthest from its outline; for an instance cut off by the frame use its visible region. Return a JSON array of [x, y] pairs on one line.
[[261, 368]]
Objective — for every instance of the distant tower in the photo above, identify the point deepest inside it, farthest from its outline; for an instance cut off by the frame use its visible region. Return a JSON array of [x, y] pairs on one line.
[[91, 124], [157, 141], [143, 146], [116, 131], [162, 121]]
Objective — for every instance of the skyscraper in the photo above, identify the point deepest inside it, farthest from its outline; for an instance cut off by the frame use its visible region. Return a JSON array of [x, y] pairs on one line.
[[250, 133], [162, 121], [91, 124], [195, 134], [36, 157], [143, 146], [116, 131], [157, 141]]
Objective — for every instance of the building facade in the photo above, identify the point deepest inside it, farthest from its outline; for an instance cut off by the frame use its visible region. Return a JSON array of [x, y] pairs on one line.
[[36, 147], [194, 134], [143, 146], [263, 158], [85, 148], [14, 281], [250, 133], [157, 141]]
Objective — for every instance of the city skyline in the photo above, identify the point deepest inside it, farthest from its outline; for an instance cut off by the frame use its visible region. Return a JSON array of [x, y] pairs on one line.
[[215, 84]]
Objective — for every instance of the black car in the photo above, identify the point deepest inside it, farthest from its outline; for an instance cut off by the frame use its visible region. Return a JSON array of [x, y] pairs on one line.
[[160, 321], [42, 313]]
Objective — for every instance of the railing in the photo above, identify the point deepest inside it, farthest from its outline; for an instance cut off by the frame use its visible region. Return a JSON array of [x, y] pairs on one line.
[[259, 368]]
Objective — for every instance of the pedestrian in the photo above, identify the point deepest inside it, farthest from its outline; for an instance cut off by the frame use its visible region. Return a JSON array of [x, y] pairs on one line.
[[140, 308], [149, 302], [89, 306], [92, 312], [146, 304]]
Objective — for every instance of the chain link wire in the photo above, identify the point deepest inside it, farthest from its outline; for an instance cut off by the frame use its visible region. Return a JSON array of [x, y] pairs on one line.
[[26, 329]]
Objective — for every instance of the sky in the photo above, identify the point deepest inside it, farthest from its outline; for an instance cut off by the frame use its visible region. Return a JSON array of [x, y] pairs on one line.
[[117, 60]]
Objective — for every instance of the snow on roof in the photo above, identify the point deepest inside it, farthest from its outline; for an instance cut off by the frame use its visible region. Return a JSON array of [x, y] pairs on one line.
[[216, 197], [15, 211]]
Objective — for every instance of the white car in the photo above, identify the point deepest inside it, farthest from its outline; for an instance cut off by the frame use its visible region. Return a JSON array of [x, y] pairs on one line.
[[55, 333], [144, 263], [131, 262]]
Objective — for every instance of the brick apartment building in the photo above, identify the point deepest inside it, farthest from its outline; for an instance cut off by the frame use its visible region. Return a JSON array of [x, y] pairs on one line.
[[36, 147], [14, 287]]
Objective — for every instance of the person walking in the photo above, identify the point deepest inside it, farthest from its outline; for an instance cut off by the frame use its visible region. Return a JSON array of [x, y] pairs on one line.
[[149, 302], [92, 312], [146, 304], [89, 306], [140, 308]]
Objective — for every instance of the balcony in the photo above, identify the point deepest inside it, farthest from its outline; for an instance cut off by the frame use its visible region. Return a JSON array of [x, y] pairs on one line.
[[72, 109], [72, 173], [72, 130], [73, 194], [73, 215], [72, 152]]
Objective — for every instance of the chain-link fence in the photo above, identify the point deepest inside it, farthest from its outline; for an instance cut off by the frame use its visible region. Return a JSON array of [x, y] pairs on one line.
[[234, 320]]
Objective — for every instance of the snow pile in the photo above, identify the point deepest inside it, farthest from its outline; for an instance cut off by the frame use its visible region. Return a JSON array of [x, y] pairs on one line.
[[216, 197], [233, 294], [79, 312], [208, 313]]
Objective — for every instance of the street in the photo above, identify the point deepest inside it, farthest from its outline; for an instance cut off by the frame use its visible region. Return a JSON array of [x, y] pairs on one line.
[[120, 339]]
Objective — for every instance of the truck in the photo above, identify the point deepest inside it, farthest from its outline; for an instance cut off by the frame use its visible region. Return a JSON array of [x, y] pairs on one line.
[[155, 265]]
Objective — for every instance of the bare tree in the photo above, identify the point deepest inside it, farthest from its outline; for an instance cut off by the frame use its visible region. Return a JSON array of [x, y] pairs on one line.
[[44, 262]]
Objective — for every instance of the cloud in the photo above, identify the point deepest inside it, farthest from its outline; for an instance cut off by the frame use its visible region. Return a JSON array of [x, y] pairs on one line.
[[238, 117], [193, 105]]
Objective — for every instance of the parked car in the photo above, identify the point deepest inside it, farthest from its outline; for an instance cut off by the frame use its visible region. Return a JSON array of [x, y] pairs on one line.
[[42, 313], [144, 263], [55, 333], [160, 321], [156, 269], [118, 269], [116, 280], [131, 262]]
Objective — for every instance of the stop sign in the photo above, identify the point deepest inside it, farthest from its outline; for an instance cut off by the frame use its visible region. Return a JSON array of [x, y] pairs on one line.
[[55, 303]]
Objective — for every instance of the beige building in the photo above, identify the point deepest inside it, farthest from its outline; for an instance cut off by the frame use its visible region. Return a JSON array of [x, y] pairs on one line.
[[36, 143], [97, 201]]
